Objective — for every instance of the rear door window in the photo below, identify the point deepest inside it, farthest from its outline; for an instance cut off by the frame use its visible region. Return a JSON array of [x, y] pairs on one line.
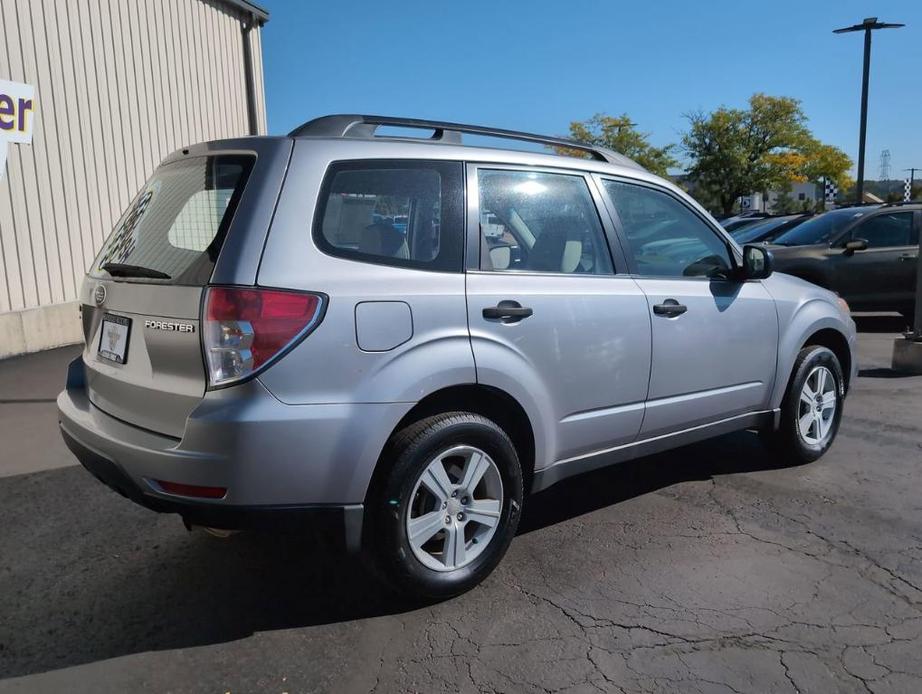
[[173, 230], [402, 213], [540, 222]]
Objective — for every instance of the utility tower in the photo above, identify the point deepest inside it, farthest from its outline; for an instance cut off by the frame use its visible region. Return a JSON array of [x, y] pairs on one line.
[[884, 165]]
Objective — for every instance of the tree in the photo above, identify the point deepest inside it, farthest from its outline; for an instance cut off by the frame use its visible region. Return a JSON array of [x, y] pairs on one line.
[[621, 135], [735, 152], [784, 203]]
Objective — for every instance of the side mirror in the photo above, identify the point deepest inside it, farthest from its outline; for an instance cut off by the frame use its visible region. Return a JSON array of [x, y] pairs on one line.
[[855, 245], [757, 262]]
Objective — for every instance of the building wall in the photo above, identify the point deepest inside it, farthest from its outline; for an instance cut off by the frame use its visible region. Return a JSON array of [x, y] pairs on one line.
[[118, 85], [807, 190]]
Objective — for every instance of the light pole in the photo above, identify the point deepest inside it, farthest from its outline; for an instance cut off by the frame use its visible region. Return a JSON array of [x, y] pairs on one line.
[[867, 26]]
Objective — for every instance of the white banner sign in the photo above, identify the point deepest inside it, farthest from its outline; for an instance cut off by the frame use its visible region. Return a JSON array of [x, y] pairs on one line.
[[17, 108]]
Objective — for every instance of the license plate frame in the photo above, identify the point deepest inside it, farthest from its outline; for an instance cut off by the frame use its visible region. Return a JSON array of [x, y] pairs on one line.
[[113, 343]]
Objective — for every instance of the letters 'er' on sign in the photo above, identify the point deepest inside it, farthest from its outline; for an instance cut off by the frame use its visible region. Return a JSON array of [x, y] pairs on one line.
[[17, 108]]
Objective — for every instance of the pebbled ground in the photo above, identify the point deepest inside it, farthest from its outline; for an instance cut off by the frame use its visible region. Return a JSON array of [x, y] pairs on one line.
[[706, 569]]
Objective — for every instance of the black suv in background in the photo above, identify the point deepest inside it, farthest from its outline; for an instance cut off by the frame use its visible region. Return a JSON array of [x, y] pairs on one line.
[[867, 254]]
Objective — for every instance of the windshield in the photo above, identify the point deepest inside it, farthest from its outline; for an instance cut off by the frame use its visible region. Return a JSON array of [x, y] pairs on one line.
[[755, 232], [820, 229], [173, 230], [740, 223]]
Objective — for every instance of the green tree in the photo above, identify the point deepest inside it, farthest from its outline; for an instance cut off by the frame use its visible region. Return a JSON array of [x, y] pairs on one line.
[[621, 135], [825, 161], [735, 152], [784, 203]]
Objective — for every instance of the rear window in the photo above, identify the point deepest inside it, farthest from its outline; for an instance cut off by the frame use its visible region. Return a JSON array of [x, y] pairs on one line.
[[403, 213], [173, 230]]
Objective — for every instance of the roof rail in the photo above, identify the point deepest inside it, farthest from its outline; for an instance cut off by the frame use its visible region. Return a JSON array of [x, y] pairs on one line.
[[898, 203], [349, 125]]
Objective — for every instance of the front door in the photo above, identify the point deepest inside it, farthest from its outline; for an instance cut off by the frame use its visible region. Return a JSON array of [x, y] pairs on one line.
[[881, 277], [715, 339], [553, 320]]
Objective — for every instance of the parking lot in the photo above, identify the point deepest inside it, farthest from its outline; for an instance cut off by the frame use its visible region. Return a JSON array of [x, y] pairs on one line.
[[708, 568]]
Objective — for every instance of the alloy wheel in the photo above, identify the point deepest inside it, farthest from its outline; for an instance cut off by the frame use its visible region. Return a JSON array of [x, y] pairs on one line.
[[817, 406], [455, 508]]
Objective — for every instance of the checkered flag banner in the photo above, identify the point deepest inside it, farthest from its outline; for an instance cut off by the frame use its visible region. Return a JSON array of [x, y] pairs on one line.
[[832, 190], [907, 190]]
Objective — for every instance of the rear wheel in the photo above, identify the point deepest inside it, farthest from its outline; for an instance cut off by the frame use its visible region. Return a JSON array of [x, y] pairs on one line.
[[448, 506], [812, 407]]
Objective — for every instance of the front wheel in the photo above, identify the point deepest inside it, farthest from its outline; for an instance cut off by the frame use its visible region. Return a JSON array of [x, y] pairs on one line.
[[812, 407], [448, 506]]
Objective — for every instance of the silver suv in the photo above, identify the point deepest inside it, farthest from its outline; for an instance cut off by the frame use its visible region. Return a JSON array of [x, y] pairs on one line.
[[398, 338]]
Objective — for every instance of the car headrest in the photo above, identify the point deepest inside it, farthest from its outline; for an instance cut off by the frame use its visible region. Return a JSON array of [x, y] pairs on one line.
[[383, 239], [559, 248]]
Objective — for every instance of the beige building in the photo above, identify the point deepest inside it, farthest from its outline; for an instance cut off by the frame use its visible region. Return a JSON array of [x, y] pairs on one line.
[[118, 84]]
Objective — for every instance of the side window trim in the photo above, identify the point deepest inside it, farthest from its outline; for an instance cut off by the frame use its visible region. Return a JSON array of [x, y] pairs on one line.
[[473, 241], [723, 236]]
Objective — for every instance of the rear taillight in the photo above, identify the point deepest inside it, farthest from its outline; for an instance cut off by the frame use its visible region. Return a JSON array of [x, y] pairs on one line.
[[244, 329]]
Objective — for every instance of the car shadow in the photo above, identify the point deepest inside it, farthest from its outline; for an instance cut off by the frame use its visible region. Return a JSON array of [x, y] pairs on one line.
[[882, 372], [118, 580], [730, 454], [724, 293]]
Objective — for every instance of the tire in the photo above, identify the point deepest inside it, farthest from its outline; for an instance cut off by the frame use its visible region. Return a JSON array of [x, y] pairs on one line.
[[790, 441], [462, 522]]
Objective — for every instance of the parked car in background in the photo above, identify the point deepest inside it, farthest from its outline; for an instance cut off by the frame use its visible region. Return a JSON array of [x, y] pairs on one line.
[[742, 220], [400, 338], [769, 228], [867, 254]]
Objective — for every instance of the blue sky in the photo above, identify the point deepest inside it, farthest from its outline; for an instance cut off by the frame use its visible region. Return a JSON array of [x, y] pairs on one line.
[[538, 65]]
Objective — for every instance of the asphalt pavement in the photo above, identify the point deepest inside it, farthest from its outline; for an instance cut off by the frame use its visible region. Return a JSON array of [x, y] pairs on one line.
[[709, 568]]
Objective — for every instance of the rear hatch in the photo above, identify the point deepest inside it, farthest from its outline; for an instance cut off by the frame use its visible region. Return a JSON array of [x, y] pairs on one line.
[[142, 298]]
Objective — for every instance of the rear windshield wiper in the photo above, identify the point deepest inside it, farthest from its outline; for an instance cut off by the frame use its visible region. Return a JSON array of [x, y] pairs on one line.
[[126, 270]]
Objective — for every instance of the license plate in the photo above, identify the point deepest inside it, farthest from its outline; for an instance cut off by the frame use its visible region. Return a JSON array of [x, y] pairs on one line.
[[113, 338]]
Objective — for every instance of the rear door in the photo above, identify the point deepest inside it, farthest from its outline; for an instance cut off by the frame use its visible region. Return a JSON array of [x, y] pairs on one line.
[[554, 319], [715, 340], [141, 299], [882, 276]]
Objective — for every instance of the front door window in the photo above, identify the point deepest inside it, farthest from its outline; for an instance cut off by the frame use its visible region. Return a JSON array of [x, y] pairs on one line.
[[664, 237]]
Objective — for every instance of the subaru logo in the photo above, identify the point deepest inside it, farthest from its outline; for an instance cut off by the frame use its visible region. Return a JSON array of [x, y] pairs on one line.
[[99, 294]]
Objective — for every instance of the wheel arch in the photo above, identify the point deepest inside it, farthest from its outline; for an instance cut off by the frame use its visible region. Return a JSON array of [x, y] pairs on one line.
[[835, 341], [487, 401], [815, 322]]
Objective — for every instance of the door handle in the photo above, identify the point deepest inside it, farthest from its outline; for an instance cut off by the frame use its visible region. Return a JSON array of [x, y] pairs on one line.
[[507, 311], [906, 257], [669, 308]]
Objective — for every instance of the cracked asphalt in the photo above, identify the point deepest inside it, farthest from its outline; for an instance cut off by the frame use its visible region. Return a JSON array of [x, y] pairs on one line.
[[707, 569]]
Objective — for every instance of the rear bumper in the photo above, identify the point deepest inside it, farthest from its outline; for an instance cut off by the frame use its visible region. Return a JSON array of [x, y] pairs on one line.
[[282, 465], [340, 522]]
